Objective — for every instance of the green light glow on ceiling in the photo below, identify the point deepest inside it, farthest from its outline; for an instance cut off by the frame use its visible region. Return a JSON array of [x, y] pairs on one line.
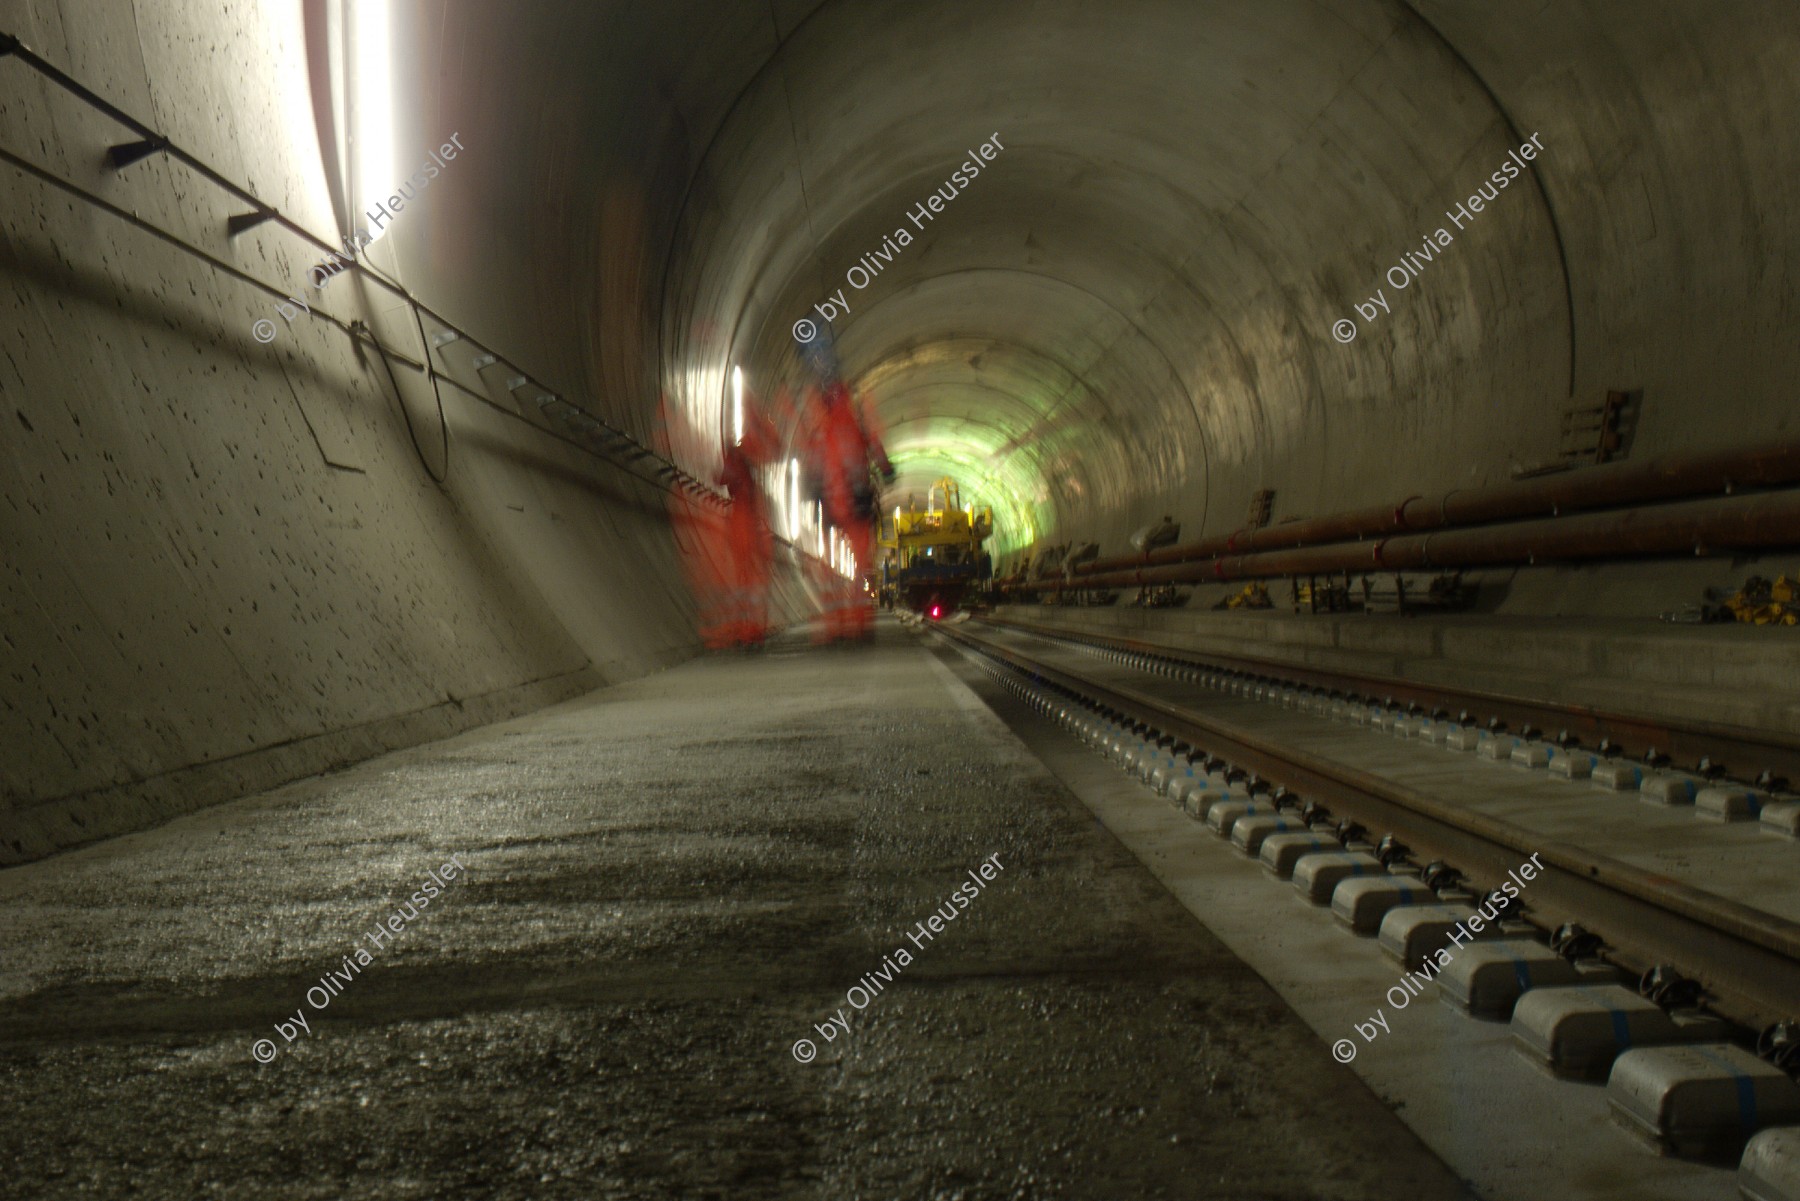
[[950, 412]]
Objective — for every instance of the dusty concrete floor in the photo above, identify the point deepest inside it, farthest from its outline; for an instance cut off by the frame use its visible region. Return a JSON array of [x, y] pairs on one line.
[[668, 884]]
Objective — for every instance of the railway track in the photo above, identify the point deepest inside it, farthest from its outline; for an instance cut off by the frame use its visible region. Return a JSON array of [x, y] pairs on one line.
[[1713, 749], [1745, 961]]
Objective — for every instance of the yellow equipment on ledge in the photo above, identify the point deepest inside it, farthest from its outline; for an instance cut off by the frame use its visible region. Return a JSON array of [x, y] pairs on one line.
[[929, 558]]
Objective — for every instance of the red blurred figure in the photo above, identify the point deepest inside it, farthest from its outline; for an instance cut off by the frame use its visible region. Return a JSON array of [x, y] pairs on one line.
[[749, 543], [842, 449], [727, 556]]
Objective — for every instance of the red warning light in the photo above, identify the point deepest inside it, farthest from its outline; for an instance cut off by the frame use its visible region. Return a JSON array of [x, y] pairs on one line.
[[936, 612]]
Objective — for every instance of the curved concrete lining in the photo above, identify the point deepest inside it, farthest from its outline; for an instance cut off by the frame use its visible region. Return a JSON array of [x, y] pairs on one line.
[[217, 549]]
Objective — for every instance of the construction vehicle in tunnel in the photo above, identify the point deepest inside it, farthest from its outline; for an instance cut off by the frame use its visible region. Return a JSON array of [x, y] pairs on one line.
[[932, 559]]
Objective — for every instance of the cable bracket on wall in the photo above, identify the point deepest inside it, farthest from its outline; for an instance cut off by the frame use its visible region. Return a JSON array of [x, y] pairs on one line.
[[621, 451]]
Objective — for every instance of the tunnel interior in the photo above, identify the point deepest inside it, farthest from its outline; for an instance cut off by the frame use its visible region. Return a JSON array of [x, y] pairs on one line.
[[1089, 263], [370, 370]]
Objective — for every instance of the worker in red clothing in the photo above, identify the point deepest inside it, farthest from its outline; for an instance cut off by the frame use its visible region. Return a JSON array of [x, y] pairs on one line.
[[749, 542], [727, 554], [843, 452]]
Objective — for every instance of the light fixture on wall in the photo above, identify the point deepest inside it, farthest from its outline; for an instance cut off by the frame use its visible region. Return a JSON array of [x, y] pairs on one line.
[[737, 405], [371, 86], [794, 499]]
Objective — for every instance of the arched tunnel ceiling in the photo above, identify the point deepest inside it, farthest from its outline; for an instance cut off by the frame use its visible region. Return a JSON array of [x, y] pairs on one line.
[[1068, 333], [1128, 312]]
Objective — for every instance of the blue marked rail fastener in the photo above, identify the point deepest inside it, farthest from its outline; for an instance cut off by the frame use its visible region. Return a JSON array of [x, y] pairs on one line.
[[1621, 1022], [1521, 972], [1746, 1087]]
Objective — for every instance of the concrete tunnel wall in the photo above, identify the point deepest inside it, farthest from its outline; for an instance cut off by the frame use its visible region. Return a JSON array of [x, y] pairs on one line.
[[225, 563], [1130, 309]]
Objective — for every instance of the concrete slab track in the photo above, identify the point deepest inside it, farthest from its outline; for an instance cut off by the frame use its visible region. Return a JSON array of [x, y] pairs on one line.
[[1515, 1131], [667, 885]]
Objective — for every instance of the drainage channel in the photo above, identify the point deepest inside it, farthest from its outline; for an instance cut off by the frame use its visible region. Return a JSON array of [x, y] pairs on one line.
[[1434, 883]]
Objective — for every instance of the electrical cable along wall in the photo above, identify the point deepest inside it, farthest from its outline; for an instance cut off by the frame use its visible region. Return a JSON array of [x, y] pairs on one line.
[[231, 560]]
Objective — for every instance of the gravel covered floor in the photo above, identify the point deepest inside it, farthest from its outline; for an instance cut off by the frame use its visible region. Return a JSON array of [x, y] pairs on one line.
[[668, 884]]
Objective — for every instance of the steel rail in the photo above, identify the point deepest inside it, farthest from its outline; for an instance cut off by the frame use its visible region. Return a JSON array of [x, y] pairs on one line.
[[1747, 960], [1740, 751]]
